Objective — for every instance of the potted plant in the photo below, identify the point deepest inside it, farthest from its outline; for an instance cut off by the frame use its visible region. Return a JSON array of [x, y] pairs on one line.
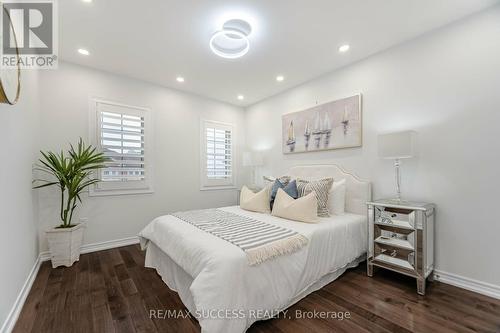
[[72, 173]]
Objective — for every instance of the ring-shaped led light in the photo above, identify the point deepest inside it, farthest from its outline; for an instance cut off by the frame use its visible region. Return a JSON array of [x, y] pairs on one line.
[[231, 36]]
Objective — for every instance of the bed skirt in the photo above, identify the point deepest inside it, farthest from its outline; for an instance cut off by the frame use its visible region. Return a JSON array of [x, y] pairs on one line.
[[180, 281]]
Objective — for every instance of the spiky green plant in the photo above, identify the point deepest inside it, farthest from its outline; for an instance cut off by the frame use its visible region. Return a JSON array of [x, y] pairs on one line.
[[72, 173]]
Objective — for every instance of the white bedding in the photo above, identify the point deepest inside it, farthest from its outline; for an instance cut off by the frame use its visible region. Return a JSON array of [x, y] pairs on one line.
[[223, 281]]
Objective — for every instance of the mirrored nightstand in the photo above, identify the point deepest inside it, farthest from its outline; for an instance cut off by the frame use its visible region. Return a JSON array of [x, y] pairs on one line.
[[401, 238]]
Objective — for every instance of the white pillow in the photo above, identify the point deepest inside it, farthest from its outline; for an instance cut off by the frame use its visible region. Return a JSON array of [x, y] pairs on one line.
[[255, 202], [303, 209], [336, 197]]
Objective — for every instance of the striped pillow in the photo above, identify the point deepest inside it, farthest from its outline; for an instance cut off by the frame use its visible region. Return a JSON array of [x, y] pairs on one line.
[[321, 187]]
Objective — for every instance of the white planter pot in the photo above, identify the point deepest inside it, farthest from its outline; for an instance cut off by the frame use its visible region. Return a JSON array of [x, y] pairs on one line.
[[64, 245]]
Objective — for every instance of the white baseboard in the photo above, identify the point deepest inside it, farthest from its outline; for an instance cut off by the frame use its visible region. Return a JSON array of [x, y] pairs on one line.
[[479, 287], [94, 247], [11, 319]]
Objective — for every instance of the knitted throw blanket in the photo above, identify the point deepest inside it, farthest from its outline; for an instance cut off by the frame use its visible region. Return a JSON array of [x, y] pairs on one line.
[[259, 240]]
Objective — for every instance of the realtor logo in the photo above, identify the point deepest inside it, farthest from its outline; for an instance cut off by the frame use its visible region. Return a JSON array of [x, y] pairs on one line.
[[29, 34]]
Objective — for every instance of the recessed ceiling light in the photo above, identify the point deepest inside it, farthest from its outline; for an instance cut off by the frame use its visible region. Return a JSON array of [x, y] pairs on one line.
[[241, 97], [87, 1], [280, 78], [83, 51], [180, 79], [231, 41], [344, 48]]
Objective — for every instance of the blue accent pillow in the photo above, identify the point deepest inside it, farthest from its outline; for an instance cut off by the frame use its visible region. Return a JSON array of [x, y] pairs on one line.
[[290, 189]]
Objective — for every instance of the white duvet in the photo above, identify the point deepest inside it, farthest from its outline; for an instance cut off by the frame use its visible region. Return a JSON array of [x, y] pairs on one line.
[[228, 294]]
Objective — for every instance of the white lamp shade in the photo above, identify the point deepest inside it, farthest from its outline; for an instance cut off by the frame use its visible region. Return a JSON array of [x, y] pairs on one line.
[[397, 145], [252, 159]]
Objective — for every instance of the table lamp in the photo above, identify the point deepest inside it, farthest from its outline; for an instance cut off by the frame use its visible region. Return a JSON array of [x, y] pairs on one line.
[[253, 160], [397, 146]]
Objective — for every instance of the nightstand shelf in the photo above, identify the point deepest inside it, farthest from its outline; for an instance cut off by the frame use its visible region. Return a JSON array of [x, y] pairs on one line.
[[401, 238]]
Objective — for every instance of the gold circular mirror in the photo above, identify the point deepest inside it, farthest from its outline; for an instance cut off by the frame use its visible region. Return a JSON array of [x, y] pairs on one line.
[[10, 84]]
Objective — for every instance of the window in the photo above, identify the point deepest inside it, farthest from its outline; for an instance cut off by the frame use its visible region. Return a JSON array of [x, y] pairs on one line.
[[217, 155], [121, 133]]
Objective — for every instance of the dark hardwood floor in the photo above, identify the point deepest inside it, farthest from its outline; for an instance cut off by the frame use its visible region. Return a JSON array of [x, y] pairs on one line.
[[111, 291]]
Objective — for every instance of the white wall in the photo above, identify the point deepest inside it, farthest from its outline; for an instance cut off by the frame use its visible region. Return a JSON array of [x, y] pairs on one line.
[[18, 207], [444, 85], [176, 117]]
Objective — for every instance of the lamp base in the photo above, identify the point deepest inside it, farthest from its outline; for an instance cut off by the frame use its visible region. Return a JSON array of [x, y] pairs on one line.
[[397, 201]]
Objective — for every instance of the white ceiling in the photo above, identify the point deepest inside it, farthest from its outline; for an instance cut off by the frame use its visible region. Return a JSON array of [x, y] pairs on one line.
[[157, 40]]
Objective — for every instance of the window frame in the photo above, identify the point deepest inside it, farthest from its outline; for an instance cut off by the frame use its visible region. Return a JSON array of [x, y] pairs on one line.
[[110, 188], [207, 184]]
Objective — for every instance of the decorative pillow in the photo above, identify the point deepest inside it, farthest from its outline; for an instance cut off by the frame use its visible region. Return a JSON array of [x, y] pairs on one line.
[[269, 182], [336, 197], [321, 187], [303, 209], [255, 202], [290, 189]]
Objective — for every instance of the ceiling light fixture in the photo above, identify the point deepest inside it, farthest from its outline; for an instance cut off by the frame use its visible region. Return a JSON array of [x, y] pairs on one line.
[[180, 79], [344, 48], [231, 41], [280, 78], [87, 1], [241, 97], [84, 52]]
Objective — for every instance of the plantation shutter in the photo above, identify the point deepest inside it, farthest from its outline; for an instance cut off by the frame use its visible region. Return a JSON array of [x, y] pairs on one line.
[[121, 133], [218, 157], [122, 141]]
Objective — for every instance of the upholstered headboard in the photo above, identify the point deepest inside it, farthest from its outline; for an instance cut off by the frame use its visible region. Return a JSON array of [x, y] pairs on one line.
[[358, 191]]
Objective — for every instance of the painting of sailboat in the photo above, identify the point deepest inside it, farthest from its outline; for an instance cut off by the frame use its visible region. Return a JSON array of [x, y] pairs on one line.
[[307, 134], [290, 142], [332, 125]]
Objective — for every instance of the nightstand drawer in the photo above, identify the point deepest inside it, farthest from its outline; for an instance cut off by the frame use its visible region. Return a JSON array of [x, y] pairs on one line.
[[394, 263], [388, 261], [405, 257], [405, 244], [403, 218]]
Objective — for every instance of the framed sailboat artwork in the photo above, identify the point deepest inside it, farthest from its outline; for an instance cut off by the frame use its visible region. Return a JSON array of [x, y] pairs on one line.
[[333, 125]]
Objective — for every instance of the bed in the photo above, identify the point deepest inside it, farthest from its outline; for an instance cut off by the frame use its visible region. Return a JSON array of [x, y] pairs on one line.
[[225, 294]]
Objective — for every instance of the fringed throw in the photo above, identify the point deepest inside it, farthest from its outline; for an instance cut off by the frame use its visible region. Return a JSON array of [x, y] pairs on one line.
[[259, 240]]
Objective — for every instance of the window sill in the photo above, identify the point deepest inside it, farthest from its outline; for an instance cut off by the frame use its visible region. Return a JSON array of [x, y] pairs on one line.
[[106, 193], [218, 188]]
